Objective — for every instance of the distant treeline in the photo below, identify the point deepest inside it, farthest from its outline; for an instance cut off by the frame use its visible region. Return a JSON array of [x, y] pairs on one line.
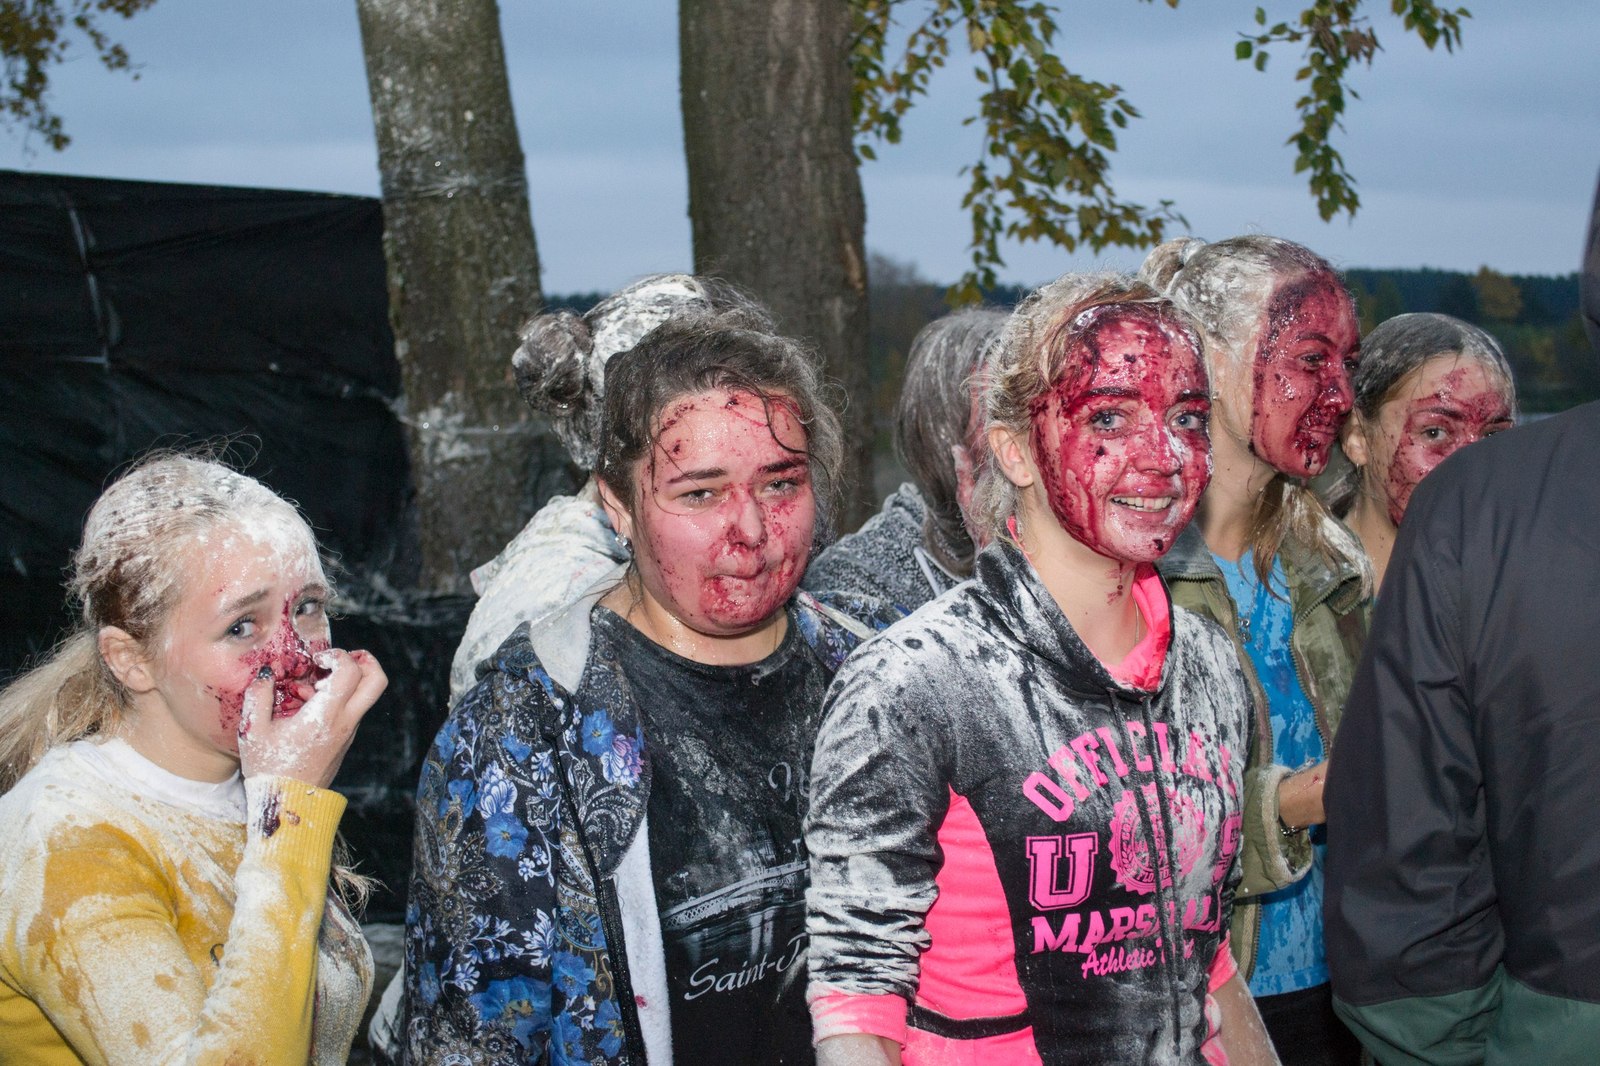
[[1535, 318]]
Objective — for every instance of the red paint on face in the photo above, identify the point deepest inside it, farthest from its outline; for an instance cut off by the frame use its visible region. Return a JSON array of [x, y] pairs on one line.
[[1308, 347], [295, 671], [1121, 439], [726, 510], [247, 600], [1446, 404]]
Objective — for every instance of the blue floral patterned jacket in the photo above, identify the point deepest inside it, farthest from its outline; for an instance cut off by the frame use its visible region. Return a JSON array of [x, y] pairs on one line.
[[527, 801]]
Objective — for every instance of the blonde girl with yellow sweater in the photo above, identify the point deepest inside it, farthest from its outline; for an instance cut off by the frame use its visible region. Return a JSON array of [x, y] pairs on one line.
[[167, 833]]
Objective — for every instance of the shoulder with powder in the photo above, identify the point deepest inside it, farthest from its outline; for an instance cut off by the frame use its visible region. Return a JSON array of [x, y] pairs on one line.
[[66, 802], [918, 653]]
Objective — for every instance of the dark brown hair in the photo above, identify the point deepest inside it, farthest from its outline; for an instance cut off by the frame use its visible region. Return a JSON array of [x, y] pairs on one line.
[[698, 353]]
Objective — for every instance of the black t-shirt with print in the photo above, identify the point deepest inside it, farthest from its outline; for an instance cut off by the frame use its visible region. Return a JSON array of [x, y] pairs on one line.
[[730, 754]]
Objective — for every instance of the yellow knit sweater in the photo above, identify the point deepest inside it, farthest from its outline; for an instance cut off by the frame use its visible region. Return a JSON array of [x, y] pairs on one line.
[[140, 931]]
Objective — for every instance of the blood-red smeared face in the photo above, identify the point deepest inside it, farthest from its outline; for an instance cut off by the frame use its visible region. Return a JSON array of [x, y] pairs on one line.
[[1307, 347], [726, 510], [1441, 407], [248, 602], [1121, 439]]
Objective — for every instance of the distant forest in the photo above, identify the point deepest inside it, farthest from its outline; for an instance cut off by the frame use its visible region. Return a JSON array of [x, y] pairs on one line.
[[1535, 319]]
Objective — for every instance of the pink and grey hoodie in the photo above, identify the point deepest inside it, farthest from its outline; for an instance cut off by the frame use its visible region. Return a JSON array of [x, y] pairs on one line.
[[1023, 855]]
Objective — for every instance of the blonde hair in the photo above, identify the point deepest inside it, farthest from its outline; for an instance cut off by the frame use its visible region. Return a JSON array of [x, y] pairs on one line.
[[1032, 356], [1226, 286], [128, 572]]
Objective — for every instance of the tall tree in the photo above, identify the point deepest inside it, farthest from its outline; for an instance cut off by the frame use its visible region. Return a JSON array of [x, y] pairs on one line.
[[772, 95], [463, 268], [1499, 298], [774, 195]]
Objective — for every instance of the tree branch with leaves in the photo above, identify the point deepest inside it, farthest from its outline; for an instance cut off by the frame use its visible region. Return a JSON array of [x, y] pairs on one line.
[[1043, 168], [35, 35], [1043, 171], [1337, 37]]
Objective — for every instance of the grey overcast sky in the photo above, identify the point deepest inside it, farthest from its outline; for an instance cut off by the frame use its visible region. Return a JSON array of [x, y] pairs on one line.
[[1488, 156]]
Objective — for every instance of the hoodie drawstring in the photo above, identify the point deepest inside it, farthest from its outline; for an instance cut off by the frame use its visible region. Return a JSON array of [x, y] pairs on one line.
[[1165, 877]]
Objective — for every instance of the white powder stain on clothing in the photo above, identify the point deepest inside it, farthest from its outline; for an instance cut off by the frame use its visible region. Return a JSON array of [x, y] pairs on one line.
[[142, 917], [562, 551]]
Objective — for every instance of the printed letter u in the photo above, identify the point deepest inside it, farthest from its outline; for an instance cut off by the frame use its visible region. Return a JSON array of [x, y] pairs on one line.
[[1051, 887]]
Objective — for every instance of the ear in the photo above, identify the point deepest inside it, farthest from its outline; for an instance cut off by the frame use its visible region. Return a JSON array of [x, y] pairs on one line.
[[126, 657], [1012, 455], [1353, 439], [621, 519]]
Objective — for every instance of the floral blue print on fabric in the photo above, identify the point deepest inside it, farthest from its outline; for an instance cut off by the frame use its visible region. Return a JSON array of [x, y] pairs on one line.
[[1289, 955], [504, 930], [506, 952]]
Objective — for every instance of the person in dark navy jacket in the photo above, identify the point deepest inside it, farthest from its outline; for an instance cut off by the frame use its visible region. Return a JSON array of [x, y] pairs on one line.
[[1463, 905]]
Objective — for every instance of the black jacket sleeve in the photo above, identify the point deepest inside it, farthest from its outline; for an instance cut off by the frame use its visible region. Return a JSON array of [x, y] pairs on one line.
[[1410, 907]]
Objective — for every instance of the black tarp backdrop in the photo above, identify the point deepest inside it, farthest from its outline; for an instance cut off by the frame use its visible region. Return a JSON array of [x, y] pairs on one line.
[[144, 314]]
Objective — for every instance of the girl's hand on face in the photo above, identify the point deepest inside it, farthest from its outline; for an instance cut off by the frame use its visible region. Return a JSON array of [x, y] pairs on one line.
[[311, 744]]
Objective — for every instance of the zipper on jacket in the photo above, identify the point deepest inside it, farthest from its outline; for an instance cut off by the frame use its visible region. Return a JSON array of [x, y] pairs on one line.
[[616, 947], [1214, 587], [622, 983]]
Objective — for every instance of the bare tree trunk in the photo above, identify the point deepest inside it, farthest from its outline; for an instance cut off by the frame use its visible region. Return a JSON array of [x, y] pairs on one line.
[[774, 194], [463, 269]]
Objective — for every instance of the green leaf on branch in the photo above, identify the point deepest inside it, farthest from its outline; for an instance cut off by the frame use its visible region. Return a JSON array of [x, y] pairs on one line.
[[1334, 36], [1049, 131], [36, 35]]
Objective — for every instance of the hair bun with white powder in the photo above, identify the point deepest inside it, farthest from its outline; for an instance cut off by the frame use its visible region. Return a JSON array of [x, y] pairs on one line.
[[1166, 260]]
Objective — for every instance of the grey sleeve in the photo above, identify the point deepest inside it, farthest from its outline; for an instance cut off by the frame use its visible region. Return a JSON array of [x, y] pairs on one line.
[[878, 797]]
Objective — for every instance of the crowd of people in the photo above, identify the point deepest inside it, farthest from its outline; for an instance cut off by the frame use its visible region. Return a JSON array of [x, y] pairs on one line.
[[1119, 735]]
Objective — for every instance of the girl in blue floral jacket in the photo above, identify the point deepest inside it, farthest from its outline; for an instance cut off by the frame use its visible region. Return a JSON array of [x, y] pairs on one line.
[[609, 865]]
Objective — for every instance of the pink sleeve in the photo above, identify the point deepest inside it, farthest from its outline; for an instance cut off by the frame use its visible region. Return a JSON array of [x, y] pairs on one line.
[[1222, 966], [1223, 969], [839, 1013]]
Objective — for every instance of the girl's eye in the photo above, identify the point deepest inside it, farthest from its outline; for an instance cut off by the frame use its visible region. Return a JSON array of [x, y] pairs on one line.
[[1351, 365], [783, 486], [1315, 360], [309, 608], [1105, 419], [695, 496], [243, 629], [1193, 420], [1434, 433]]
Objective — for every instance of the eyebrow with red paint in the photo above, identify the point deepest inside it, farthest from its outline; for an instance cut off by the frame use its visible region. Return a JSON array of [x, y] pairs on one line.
[[1121, 392], [1313, 335]]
